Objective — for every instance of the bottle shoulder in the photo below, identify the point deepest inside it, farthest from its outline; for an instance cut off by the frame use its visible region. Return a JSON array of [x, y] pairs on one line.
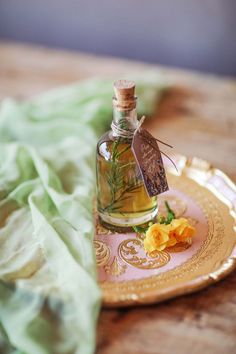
[[106, 137], [109, 146], [103, 145]]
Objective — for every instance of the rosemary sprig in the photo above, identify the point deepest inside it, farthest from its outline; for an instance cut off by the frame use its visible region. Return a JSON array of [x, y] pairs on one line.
[[117, 176], [122, 197], [120, 185]]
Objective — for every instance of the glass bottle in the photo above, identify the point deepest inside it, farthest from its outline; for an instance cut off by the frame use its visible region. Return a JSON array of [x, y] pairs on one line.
[[122, 200]]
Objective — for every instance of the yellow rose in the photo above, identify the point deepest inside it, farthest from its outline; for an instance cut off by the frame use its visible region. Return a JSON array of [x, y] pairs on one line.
[[181, 230], [157, 237], [172, 240], [160, 236]]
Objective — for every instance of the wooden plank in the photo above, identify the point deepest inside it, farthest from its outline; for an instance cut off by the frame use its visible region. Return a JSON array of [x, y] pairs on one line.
[[197, 113], [198, 116]]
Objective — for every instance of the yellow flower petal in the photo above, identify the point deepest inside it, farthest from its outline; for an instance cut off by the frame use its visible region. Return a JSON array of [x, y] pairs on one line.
[[161, 247], [160, 236], [172, 241], [156, 238], [181, 229]]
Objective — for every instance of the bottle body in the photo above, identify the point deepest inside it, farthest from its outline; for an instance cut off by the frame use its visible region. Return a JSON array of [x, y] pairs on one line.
[[122, 200]]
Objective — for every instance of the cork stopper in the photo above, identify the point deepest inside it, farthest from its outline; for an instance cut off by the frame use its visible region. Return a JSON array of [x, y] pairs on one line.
[[124, 94]]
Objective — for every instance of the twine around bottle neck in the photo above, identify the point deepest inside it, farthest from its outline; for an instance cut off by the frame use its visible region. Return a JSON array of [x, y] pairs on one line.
[[126, 133]]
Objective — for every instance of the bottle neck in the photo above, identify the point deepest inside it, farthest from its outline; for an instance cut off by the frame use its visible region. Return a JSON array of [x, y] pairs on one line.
[[124, 121]]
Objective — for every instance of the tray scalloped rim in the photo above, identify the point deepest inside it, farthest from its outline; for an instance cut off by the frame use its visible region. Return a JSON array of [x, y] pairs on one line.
[[201, 172]]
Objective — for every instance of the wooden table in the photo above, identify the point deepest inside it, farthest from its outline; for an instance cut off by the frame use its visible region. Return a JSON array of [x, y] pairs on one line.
[[198, 116]]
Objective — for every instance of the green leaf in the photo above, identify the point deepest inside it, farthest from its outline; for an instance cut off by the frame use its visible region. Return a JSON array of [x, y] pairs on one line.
[[140, 229], [170, 214]]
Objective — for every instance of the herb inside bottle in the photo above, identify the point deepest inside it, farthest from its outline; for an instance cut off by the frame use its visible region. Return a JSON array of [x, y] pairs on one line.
[[122, 200]]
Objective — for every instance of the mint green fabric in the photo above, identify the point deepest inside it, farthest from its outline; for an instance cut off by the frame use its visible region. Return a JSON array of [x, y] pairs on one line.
[[49, 296]]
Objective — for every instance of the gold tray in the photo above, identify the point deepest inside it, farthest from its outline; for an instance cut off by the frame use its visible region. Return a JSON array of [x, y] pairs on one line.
[[204, 195]]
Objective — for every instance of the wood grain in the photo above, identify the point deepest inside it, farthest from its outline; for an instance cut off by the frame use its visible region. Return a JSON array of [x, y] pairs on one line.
[[197, 115]]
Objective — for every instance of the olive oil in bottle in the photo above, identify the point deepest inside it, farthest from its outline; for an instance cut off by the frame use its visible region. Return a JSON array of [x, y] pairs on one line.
[[122, 200]]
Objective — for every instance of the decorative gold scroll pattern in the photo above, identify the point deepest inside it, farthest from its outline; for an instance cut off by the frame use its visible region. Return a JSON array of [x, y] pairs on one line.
[[101, 230], [128, 251], [103, 253], [116, 268]]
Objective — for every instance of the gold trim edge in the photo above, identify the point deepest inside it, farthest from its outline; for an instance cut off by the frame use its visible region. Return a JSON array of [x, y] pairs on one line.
[[192, 286], [154, 296]]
